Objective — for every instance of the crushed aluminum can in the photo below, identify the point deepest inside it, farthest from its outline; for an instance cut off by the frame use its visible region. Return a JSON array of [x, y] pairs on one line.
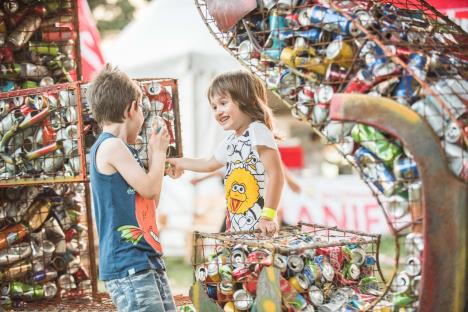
[[299, 282], [404, 168], [346, 145], [453, 133], [335, 131], [360, 83], [315, 295], [414, 244], [66, 281], [15, 253], [458, 159], [416, 285], [225, 272], [340, 52], [50, 290], [201, 273], [401, 283], [242, 300], [335, 73], [413, 266], [354, 271], [397, 206], [323, 94], [226, 288], [238, 256], [280, 262], [295, 263], [332, 21], [312, 272], [213, 271]]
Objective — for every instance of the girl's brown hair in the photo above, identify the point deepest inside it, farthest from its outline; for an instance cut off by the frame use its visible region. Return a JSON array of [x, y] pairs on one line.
[[247, 91]]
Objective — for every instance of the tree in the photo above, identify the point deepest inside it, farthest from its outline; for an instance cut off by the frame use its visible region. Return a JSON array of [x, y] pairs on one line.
[[113, 15]]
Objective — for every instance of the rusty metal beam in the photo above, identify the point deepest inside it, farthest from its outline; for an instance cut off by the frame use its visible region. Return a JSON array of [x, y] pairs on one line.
[[444, 197]]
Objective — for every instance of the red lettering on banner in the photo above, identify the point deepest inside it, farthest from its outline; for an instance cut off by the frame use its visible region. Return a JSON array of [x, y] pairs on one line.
[[370, 220], [332, 220], [355, 217], [304, 215]]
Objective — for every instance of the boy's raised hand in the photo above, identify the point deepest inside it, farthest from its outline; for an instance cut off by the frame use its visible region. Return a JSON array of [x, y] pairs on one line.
[[159, 141]]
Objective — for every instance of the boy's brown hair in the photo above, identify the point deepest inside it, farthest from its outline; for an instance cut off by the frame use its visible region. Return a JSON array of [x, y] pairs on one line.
[[110, 94], [248, 91]]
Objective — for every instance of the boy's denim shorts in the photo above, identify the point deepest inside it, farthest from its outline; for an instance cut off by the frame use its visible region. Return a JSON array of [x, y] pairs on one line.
[[145, 291]]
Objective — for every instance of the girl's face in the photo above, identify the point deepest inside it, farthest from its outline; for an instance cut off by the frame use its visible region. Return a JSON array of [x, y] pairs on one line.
[[228, 114]]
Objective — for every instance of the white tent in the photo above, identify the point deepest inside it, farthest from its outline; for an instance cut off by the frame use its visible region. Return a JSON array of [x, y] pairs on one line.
[[169, 39]]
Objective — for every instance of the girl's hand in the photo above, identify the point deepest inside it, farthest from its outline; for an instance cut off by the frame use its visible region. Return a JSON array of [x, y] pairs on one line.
[[267, 226], [174, 169]]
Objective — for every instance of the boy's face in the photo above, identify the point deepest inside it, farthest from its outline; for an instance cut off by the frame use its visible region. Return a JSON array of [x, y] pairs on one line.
[[136, 119], [228, 113]]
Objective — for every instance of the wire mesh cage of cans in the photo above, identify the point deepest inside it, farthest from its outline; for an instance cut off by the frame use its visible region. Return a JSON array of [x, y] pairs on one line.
[[160, 104], [38, 43], [43, 245], [320, 267], [40, 135], [307, 51]]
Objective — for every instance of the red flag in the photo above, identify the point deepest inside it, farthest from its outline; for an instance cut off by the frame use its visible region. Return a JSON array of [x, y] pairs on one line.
[[92, 59]]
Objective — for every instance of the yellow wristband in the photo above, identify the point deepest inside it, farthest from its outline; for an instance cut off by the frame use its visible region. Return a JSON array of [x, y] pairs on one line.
[[268, 213]]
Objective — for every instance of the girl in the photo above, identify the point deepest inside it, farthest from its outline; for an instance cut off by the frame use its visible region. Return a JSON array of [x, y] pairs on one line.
[[254, 176]]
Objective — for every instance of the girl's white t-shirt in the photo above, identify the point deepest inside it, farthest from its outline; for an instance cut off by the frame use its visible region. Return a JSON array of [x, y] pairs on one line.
[[244, 179]]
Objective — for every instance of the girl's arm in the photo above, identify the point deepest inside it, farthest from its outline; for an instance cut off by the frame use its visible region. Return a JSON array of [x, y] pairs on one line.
[[274, 169], [197, 165]]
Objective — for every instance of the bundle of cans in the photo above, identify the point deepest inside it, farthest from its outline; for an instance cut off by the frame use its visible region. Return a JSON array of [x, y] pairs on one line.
[[40, 135], [43, 244], [320, 268], [307, 50], [160, 103], [38, 43]]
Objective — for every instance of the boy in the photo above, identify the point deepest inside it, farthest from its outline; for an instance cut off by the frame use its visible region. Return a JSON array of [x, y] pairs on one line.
[[125, 197]]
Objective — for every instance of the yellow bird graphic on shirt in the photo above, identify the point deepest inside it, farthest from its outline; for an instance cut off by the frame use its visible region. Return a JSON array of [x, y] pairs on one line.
[[242, 191]]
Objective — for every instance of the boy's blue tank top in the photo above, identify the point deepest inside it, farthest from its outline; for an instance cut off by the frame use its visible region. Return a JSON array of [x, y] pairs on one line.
[[123, 246]]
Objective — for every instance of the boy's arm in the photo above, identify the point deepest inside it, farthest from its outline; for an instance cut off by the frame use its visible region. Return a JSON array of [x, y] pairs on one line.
[[119, 157], [197, 165], [273, 167]]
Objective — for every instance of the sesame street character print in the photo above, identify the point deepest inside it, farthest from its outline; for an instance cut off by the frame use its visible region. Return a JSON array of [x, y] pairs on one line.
[[242, 191], [244, 182]]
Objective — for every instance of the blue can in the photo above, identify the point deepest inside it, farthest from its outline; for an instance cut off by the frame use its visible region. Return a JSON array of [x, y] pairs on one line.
[[277, 24], [406, 90], [418, 61], [7, 86], [331, 20], [374, 171], [405, 169], [212, 291]]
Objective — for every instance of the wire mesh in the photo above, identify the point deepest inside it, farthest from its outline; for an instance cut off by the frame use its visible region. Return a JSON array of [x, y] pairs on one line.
[[40, 135], [322, 267], [306, 51], [38, 43], [160, 109], [44, 251]]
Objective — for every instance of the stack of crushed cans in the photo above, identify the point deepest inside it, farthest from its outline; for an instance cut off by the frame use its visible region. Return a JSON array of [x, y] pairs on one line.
[[160, 109], [307, 50], [320, 268], [43, 244], [39, 134], [38, 43]]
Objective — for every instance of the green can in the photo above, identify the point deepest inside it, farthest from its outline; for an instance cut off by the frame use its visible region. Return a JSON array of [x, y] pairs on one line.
[[376, 142]]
